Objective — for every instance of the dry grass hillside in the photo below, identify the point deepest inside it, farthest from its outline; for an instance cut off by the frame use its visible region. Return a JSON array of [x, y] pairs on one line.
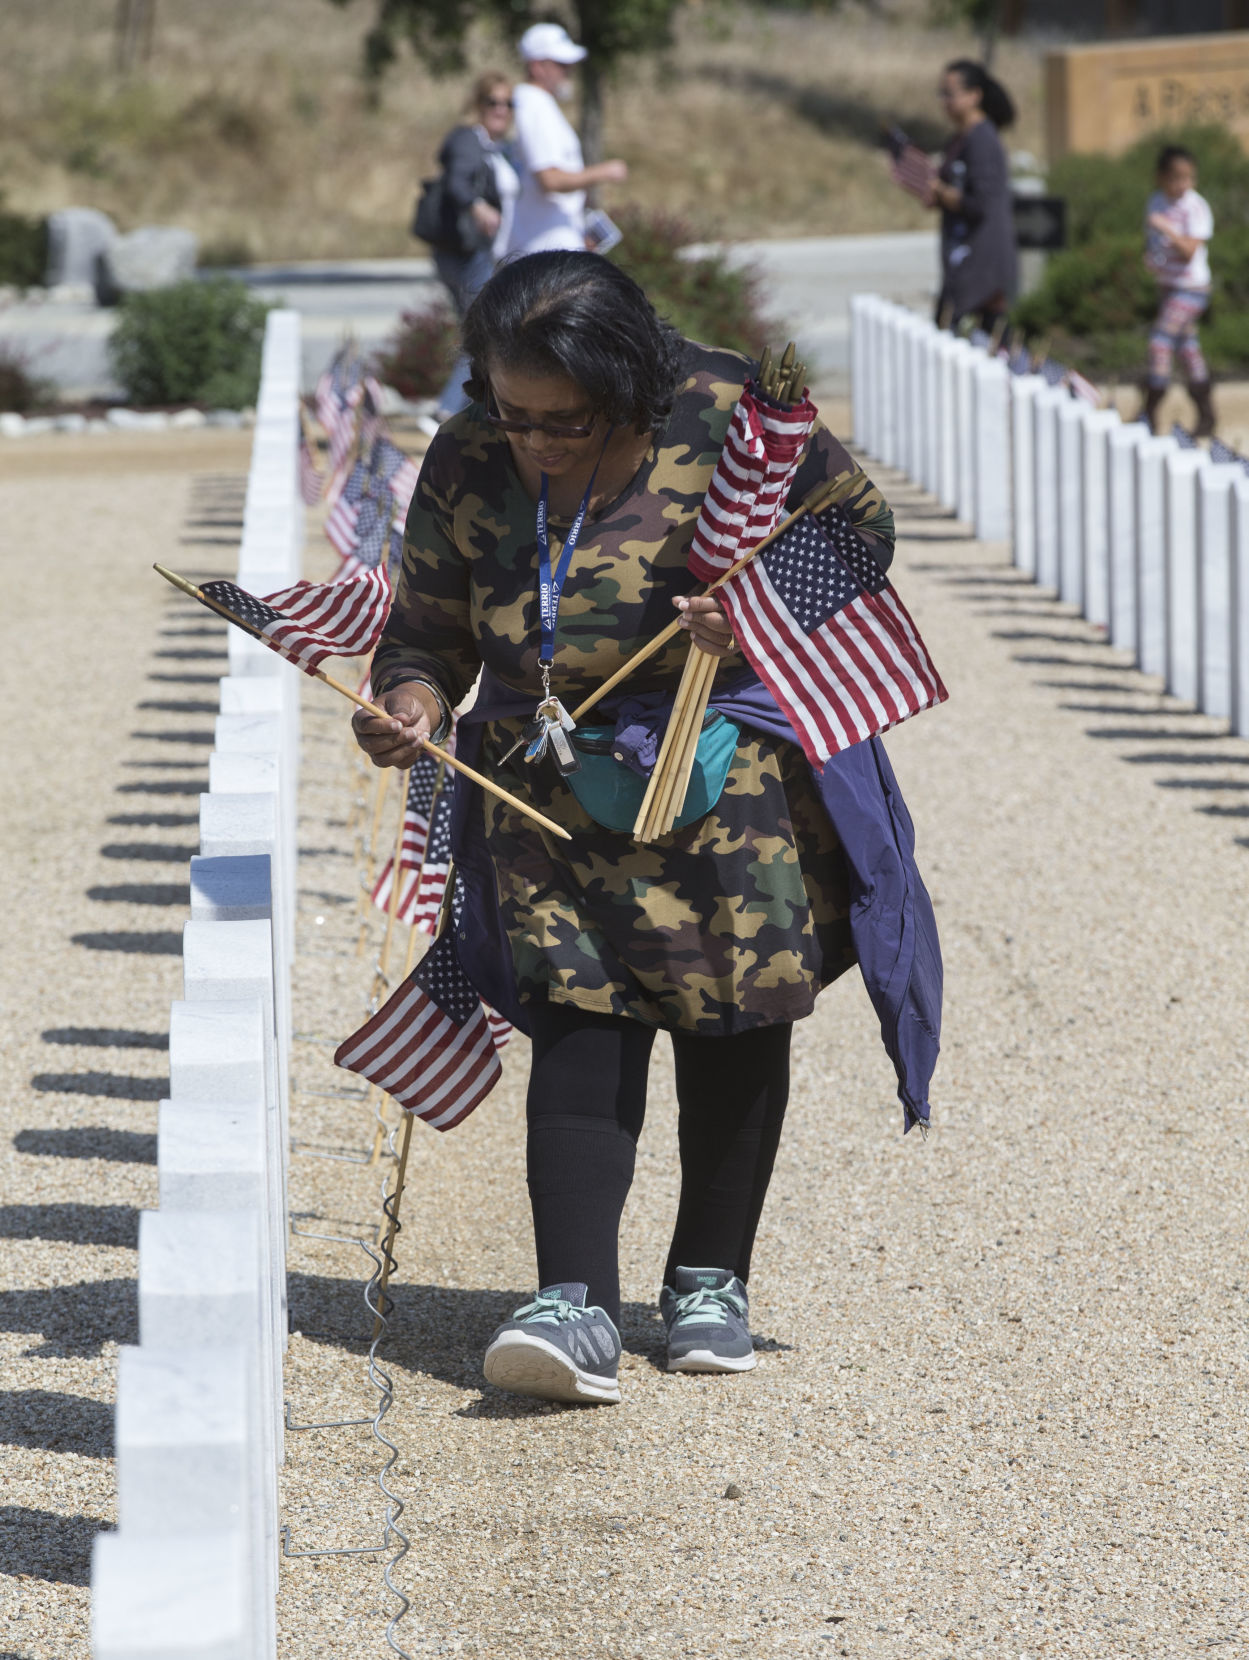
[[250, 124]]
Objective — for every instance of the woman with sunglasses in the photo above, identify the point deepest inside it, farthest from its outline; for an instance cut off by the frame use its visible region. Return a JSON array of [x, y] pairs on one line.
[[551, 526], [479, 191]]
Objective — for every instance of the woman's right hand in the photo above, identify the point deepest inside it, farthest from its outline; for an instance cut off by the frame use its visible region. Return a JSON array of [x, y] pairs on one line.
[[412, 713]]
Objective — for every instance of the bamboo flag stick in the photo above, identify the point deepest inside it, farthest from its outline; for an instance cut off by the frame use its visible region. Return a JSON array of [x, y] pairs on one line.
[[824, 495], [669, 757], [181, 583]]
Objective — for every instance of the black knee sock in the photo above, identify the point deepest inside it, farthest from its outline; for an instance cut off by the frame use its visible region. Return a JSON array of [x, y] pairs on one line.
[[732, 1094], [587, 1100]]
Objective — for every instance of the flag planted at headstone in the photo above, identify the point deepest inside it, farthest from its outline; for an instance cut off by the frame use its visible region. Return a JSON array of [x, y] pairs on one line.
[[311, 478], [1183, 437], [423, 784], [311, 621], [1084, 389], [824, 630]]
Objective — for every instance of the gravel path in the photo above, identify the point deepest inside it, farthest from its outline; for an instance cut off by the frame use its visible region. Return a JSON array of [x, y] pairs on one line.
[[110, 691], [998, 1410]]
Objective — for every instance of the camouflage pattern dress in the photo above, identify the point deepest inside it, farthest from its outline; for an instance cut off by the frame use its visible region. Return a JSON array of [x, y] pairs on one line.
[[739, 919]]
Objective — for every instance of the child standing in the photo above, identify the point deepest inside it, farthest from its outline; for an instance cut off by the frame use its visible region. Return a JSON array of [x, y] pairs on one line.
[[1178, 225]]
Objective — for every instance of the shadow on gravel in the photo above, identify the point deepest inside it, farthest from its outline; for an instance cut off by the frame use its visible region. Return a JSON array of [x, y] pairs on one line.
[[75, 1321], [59, 1423], [206, 739], [163, 821], [89, 1142], [164, 786], [1002, 592], [185, 679], [105, 1037], [178, 706], [42, 1545], [143, 893], [187, 654], [151, 945], [72, 1224], [167, 853], [119, 1086]]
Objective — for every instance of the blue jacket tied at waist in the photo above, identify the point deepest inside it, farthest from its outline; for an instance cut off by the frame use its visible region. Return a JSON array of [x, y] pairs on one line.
[[891, 916]]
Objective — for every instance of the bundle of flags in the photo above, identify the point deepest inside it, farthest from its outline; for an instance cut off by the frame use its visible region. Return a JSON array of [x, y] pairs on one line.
[[753, 476], [814, 613]]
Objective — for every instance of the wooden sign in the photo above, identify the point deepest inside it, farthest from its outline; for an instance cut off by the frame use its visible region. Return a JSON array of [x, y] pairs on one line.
[[1105, 98]]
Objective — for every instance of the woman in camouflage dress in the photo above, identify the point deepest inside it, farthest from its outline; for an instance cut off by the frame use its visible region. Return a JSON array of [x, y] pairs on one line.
[[721, 933]]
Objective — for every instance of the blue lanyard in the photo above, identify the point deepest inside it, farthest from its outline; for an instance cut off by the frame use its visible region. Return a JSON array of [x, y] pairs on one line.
[[550, 587]]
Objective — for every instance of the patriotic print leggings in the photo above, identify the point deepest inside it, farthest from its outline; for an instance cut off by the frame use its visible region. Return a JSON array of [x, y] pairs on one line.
[[1175, 331]]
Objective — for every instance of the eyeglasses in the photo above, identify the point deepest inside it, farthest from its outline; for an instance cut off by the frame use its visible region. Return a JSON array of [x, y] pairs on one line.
[[553, 429]]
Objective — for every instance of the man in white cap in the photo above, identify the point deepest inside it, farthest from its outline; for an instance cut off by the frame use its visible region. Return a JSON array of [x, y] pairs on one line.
[[550, 210]]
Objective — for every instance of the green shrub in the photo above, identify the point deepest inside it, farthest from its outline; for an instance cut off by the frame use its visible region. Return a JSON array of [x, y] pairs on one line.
[[1097, 300], [23, 248], [195, 342], [20, 391], [706, 298], [417, 358]]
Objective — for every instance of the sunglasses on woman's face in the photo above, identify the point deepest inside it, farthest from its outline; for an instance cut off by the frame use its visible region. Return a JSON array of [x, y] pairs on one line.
[[553, 429], [497, 104]]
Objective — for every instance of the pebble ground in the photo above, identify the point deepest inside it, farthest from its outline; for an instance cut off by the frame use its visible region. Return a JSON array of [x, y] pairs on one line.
[[999, 1408]]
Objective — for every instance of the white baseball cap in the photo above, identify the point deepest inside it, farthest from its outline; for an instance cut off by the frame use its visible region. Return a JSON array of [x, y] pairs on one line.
[[550, 43]]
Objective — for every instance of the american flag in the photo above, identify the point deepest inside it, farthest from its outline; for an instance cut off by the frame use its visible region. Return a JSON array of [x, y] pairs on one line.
[[1224, 453], [753, 475], [430, 1045], [340, 526], [1083, 389], [827, 635], [908, 165], [311, 478], [431, 885], [1051, 372], [1019, 361], [1183, 438], [400, 472], [423, 784], [311, 621]]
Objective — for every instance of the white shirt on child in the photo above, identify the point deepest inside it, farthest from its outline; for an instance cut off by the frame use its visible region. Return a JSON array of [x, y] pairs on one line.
[[545, 138], [1189, 215]]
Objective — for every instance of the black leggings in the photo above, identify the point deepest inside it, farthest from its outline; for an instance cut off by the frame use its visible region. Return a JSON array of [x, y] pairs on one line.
[[587, 1101]]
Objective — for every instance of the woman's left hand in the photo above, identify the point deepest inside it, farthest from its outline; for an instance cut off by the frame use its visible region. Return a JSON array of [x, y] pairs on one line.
[[709, 628]]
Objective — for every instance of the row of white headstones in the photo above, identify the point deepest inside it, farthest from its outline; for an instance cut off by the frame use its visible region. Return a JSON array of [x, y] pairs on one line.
[[192, 1568], [1148, 539]]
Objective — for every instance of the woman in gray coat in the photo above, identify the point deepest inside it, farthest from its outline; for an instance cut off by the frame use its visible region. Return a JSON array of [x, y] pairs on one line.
[[972, 190]]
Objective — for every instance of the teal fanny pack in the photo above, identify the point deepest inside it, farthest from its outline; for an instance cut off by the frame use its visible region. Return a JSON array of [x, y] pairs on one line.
[[612, 793]]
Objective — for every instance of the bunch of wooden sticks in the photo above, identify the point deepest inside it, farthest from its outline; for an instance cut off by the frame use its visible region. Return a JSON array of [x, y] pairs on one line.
[[665, 797]]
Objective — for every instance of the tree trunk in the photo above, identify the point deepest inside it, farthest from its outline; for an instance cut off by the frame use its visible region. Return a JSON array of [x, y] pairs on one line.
[[990, 28]]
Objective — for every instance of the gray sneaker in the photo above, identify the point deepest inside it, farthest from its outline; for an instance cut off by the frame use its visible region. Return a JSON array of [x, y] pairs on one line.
[[557, 1349], [706, 1317]]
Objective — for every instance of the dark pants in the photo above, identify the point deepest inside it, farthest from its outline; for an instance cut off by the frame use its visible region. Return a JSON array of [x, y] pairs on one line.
[[463, 276], [586, 1105]]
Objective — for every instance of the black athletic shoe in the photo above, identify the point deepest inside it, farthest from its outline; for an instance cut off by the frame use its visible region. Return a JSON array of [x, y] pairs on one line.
[[556, 1348], [706, 1317]]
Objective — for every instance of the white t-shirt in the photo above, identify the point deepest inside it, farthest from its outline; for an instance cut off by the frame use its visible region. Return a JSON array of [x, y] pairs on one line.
[[1190, 215], [545, 138]]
